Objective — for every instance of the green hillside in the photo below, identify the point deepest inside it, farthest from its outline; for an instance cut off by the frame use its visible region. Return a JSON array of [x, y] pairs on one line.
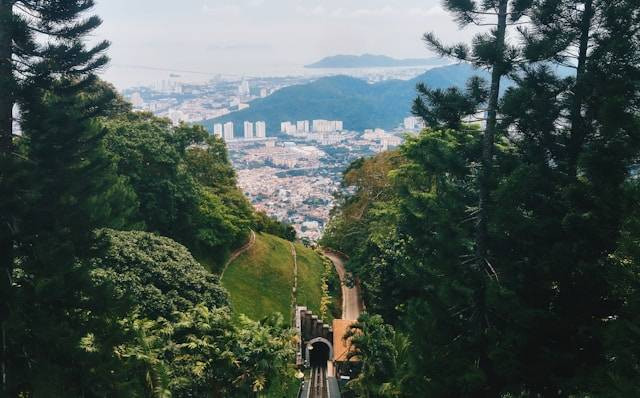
[[359, 104], [260, 281], [310, 269]]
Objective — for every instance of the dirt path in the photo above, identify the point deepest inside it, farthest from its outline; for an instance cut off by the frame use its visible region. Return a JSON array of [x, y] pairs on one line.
[[351, 299], [238, 252]]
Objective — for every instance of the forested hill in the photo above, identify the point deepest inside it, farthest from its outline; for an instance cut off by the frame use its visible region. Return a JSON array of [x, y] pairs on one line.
[[359, 104]]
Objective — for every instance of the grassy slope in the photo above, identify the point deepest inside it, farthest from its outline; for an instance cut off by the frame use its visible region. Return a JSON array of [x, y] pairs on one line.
[[260, 280], [310, 269]]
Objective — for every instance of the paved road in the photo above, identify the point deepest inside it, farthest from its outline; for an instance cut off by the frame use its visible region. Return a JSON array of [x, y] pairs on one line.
[[351, 298]]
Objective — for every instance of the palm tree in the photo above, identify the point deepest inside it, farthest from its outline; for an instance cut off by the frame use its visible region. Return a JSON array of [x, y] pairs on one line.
[[149, 340]]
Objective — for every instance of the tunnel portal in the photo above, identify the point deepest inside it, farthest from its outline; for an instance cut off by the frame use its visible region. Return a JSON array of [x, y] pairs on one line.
[[319, 355]]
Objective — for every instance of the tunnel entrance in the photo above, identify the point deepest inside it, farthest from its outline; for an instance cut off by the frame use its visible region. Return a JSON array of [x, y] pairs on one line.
[[320, 354]]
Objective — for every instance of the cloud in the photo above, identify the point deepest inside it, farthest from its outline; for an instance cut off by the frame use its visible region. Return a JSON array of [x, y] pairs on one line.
[[229, 9], [312, 11], [385, 11], [239, 46], [374, 12], [427, 12]]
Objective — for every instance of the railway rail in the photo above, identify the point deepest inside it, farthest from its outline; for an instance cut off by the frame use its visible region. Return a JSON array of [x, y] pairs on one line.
[[318, 388]]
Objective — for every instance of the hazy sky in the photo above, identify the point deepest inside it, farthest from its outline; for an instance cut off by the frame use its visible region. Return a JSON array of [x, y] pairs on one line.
[[260, 36]]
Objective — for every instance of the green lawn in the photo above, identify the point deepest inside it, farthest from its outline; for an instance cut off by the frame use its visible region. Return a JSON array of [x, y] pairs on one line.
[[310, 269], [260, 280]]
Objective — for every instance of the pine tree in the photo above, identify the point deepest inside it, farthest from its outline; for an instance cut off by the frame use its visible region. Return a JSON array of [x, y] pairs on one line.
[[73, 189], [41, 39], [572, 193], [493, 52], [563, 31], [38, 40], [448, 108]]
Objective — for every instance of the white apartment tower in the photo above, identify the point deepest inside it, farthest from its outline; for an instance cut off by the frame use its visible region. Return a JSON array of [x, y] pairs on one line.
[[327, 126], [228, 131], [248, 130], [243, 89], [302, 126], [217, 130], [410, 123], [261, 130], [288, 128]]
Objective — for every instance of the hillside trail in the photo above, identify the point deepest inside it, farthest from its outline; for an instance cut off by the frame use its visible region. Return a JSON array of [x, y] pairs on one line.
[[351, 296], [239, 251]]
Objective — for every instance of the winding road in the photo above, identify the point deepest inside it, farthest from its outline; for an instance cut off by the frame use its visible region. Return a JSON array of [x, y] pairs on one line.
[[351, 298]]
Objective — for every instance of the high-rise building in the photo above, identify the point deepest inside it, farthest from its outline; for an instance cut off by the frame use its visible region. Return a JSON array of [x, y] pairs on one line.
[[217, 130], [302, 126], [287, 128], [244, 89], [228, 131], [261, 130], [327, 126], [411, 123], [248, 130]]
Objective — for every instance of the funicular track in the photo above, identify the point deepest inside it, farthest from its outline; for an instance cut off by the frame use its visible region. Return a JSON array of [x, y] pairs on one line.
[[318, 388]]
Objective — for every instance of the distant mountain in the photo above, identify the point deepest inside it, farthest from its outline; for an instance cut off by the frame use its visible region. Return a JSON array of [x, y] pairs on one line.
[[371, 61], [359, 104]]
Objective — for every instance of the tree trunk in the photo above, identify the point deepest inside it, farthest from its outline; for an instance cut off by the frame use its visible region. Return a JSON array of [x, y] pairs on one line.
[[6, 79], [489, 137], [577, 123], [6, 148], [484, 187]]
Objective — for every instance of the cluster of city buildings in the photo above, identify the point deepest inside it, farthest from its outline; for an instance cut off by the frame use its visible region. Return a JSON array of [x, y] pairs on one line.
[[250, 131], [293, 179], [194, 102], [303, 127], [284, 155], [381, 137], [304, 201]]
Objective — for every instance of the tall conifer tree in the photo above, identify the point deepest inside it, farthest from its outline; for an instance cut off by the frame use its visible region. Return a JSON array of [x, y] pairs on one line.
[[493, 52], [73, 189], [39, 40]]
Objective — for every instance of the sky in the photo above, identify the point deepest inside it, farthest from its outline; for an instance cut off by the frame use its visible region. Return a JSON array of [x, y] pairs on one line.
[[260, 37]]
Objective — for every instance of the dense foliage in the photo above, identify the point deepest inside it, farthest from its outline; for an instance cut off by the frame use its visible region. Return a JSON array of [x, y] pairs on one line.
[[39, 42], [158, 275], [184, 183], [548, 305], [264, 223], [95, 300], [127, 313]]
